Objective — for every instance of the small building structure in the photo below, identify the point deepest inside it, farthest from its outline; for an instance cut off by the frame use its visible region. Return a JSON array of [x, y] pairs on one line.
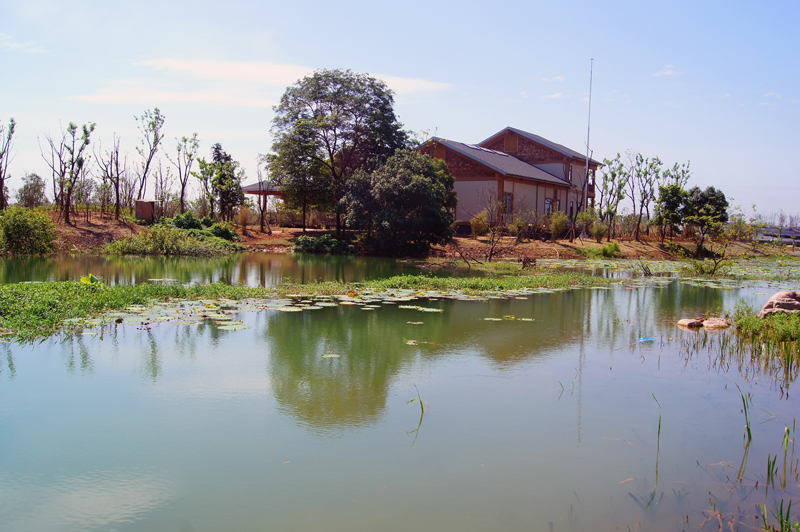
[[263, 191], [519, 171]]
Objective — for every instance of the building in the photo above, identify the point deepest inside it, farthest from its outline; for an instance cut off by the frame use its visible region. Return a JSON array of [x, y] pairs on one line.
[[519, 171]]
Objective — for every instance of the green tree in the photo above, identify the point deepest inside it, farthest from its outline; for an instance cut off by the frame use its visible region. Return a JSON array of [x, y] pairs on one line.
[[205, 174], [342, 120], [708, 211], [227, 182], [404, 206], [615, 179], [302, 177], [32, 193], [670, 208]]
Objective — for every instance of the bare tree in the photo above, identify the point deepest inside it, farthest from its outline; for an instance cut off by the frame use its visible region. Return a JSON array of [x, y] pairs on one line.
[[163, 182], [112, 170], [187, 151], [264, 184], [6, 138], [149, 124], [67, 160]]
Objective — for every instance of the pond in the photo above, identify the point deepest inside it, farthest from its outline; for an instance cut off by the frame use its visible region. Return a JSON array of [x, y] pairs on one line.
[[592, 416]]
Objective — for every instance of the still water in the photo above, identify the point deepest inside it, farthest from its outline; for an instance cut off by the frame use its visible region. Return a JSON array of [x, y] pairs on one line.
[[551, 424]]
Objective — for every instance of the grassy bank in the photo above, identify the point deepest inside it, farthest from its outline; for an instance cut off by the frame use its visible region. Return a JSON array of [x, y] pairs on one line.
[[34, 310]]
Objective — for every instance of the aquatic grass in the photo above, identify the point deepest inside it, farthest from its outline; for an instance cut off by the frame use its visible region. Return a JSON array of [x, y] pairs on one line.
[[746, 410], [471, 285], [34, 310]]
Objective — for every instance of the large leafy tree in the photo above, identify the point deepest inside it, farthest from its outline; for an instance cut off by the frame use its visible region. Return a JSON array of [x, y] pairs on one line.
[[708, 211], [404, 206], [340, 120]]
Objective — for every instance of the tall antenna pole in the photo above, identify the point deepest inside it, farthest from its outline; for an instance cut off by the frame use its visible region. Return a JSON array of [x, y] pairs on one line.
[[588, 131]]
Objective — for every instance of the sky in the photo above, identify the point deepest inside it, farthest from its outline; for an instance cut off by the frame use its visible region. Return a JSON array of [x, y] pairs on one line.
[[715, 83]]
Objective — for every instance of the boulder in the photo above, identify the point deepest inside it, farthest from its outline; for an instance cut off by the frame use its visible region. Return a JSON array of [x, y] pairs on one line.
[[716, 323], [690, 323], [787, 301]]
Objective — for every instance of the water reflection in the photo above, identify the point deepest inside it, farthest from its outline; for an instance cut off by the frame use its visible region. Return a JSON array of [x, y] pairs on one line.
[[252, 269]]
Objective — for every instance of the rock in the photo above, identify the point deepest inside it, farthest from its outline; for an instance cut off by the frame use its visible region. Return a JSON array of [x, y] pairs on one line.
[[716, 323], [786, 301], [690, 323]]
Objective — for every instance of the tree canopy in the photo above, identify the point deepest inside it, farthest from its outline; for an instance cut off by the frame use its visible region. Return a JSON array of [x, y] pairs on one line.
[[403, 206], [334, 123]]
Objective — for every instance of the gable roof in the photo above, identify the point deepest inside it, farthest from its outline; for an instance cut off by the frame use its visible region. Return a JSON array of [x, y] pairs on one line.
[[502, 163], [563, 150]]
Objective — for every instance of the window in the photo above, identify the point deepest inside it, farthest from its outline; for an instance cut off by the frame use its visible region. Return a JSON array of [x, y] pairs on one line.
[[548, 205], [571, 207], [508, 202], [570, 174]]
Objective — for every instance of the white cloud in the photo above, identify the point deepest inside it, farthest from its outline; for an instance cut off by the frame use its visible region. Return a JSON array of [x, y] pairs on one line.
[[771, 95], [556, 96], [150, 92], [673, 105], [224, 83], [554, 78], [260, 73], [411, 85], [8, 43], [668, 71]]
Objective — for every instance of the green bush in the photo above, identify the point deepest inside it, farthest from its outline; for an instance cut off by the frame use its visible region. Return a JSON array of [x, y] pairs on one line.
[[321, 244], [224, 231], [27, 231], [611, 250], [162, 240], [186, 220], [206, 221], [479, 225]]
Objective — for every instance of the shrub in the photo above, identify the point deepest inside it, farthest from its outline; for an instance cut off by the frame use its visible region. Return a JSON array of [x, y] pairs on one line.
[[479, 225], [611, 250], [321, 244], [27, 231], [224, 231], [558, 222], [170, 241], [598, 231], [206, 221], [186, 220]]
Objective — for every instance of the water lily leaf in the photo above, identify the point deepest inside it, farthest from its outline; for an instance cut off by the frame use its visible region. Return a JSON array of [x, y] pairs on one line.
[[414, 322], [492, 319], [233, 327]]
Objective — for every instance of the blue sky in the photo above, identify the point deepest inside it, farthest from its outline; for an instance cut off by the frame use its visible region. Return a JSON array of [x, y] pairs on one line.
[[711, 82]]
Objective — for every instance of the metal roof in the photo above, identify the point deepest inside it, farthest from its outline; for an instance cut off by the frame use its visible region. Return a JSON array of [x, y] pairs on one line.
[[255, 188], [549, 143], [502, 163]]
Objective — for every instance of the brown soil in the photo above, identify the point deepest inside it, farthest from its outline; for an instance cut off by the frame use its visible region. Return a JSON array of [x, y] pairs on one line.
[[89, 237]]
